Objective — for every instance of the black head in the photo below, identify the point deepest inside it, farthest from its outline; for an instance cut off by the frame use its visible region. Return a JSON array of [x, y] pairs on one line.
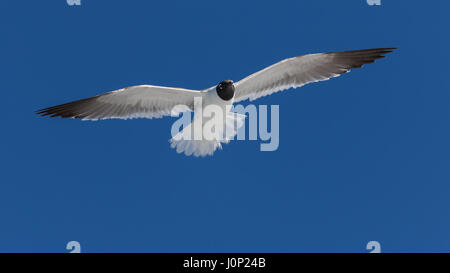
[[225, 90]]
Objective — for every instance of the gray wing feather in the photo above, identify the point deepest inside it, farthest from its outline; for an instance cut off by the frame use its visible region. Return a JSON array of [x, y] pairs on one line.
[[298, 71], [142, 101]]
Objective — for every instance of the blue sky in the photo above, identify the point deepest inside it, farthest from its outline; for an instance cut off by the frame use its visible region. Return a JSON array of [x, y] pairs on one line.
[[362, 157]]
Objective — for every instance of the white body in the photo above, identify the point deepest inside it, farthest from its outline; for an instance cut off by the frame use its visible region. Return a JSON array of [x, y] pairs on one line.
[[198, 139]]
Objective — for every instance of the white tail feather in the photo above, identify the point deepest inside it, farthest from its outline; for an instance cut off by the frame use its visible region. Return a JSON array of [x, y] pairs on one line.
[[183, 142]]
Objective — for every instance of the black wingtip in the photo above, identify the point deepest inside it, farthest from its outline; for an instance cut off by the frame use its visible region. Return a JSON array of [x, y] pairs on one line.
[[41, 112], [358, 58], [380, 50], [75, 109]]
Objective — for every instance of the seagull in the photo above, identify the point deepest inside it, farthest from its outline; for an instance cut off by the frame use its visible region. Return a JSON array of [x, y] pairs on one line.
[[148, 101]]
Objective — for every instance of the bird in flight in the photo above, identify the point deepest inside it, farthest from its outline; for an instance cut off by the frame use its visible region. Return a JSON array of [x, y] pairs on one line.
[[148, 101]]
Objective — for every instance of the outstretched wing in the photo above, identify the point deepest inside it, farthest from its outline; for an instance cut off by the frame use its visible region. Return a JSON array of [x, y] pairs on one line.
[[298, 71], [142, 101]]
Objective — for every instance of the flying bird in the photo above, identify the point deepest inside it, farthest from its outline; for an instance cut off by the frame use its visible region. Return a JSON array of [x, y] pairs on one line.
[[148, 101]]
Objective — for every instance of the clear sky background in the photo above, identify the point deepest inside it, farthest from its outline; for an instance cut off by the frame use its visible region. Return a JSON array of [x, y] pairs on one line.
[[362, 157]]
